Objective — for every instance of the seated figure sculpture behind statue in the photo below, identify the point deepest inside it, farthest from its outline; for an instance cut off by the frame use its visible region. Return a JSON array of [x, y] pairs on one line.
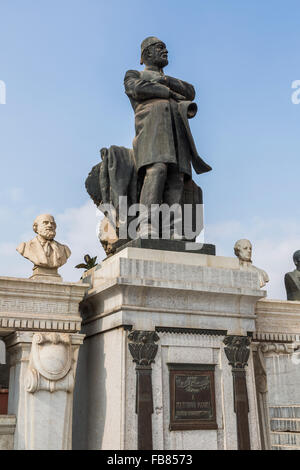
[[158, 170]]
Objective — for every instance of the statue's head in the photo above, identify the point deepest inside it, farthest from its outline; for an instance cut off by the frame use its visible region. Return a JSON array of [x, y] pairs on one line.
[[45, 226], [154, 52], [243, 250], [296, 258]]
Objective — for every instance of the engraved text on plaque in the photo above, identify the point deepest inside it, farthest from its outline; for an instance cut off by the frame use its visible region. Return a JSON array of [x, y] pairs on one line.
[[192, 397]]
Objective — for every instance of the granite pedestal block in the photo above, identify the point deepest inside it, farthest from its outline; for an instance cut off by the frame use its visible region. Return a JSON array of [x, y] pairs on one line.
[[191, 302], [166, 245]]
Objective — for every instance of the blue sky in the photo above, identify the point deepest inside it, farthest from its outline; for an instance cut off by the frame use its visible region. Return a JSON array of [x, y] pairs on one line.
[[63, 63]]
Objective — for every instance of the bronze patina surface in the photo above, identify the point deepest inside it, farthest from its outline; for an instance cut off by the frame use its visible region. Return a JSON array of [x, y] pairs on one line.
[[192, 397]]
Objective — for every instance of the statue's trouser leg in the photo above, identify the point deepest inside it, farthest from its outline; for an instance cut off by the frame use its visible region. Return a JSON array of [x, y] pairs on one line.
[[154, 184], [152, 190], [174, 186], [173, 195]]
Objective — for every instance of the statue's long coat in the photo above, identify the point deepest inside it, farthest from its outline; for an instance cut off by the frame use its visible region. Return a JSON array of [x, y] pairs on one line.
[[161, 125], [34, 251]]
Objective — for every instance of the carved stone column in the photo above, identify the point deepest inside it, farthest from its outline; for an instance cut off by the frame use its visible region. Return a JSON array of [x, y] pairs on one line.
[[143, 350], [237, 352], [42, 375]]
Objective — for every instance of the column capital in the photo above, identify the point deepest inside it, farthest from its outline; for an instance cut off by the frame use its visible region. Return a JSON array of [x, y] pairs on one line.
[[142, 347], [237, 350]]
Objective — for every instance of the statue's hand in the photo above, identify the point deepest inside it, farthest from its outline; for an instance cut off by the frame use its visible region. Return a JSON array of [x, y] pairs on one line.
[[176, 96]]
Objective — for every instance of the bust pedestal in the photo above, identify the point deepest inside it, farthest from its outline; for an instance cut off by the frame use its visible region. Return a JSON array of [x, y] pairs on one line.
[[45, 274], [42, 375], [40, 324]]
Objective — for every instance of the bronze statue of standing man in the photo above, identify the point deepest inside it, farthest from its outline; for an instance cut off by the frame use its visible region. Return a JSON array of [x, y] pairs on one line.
[[164, 149]]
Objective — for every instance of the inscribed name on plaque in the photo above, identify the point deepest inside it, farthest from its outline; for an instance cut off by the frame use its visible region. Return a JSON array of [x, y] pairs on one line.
[[192, 398]]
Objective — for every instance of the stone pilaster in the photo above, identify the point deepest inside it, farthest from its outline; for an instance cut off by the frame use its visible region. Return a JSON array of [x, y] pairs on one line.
[[42, 375], [143, 350], [237, 352]]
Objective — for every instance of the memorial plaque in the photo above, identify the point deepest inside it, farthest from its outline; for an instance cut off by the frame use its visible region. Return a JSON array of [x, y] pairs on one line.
[[192, 397]]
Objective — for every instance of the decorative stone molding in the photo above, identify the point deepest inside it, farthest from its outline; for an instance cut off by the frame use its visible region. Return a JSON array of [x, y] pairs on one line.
[[275, 337], [263, 350], [190, 331], [142, 347], [35, 305], [192, 339], [277, 348], [50, 362], [15, 323], [40, 306], [277, 317]]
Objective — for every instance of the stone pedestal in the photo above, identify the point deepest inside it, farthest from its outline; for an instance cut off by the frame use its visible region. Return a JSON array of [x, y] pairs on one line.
[[40, 324], [45, 274], [42, 376], [146, 314], [276, 349]]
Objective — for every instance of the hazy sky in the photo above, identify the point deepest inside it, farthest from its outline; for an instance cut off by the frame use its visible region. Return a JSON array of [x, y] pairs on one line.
[[63, 63]]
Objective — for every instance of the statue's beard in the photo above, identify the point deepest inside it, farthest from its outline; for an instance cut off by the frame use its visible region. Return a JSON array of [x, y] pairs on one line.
[[246, 258], [47, 234], [163, 62]]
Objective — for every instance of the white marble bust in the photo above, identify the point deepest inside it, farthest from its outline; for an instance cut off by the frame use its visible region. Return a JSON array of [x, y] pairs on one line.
[[243, 250], [43, 251]]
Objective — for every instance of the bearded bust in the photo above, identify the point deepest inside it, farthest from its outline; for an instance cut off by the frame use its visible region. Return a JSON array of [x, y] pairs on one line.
[[43, 251]]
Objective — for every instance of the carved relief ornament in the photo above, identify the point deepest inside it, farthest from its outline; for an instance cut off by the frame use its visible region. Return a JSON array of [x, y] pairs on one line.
[[237, 350], [50, 363], [142, 347]]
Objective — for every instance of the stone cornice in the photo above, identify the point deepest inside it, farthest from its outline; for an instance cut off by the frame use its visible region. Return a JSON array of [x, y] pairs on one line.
[[278, 318], [13, 286], [39, 305], [12, 323], [275, 337], [287, 307]]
